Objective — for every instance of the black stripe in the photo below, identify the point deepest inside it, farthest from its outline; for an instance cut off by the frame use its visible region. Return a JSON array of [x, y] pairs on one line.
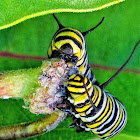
[[87, 71], [69, 30], [90, 123], [91, 75], [86, 101], [102, 97], [111, 122], [119, 127], [71, 38], [77, 81], [78, 92], [85, 110], [107, 111], [93, 112], [92, 94], [85, 56], [76, 86], [80, 105]]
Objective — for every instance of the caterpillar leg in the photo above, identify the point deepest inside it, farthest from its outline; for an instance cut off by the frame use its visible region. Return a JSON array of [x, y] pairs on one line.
[[78, 124], [26, 130], [65, 106]]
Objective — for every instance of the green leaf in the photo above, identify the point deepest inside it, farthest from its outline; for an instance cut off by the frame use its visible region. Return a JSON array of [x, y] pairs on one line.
[[13, 12], [109, 45]]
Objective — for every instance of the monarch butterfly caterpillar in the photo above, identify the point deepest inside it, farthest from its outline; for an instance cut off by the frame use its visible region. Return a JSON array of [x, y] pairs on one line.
[[69, 44], [98, 110]]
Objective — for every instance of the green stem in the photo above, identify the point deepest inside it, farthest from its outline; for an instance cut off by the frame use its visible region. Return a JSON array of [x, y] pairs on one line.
[[33, 128], [19, 83]]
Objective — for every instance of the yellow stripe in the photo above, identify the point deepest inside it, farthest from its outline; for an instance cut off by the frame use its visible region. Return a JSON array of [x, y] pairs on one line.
[[118, 121], [79, 83], [97, 89], [96, 94], [49, 51], [58, 45], [74, 96], [75, 83], [75, 31], [76, 89], [80, 61], [73, 89], [106, 109], [90, 91], [72, 76], [82, 68], [77, 78], [82, 114], [76, 50], [58, 10], [80, 99], [65, 33], [83, 108], [98, 123]]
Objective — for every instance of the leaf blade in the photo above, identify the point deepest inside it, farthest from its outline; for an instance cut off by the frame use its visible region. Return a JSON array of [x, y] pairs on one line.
[[64, 6]]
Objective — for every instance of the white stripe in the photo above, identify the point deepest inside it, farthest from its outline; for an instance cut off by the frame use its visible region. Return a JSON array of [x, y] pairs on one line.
[[89, 119], [116, 119]]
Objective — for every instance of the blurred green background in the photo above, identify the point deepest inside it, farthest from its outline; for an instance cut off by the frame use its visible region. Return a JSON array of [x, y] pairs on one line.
[[108, 45]]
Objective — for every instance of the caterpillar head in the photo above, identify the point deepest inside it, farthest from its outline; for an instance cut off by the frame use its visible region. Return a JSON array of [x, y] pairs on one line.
[[68, 43]]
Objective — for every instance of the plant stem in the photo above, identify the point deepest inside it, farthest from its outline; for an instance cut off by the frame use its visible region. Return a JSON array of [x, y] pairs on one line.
[[26, 130], [19, 83]]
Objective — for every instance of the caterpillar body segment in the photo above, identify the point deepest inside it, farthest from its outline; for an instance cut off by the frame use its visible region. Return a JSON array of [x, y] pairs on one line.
[[99, 110], [110, 116]]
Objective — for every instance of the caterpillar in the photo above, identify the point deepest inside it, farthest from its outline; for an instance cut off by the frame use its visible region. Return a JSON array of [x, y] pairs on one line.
[[98, 110], [69, 44], [110, 115]]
